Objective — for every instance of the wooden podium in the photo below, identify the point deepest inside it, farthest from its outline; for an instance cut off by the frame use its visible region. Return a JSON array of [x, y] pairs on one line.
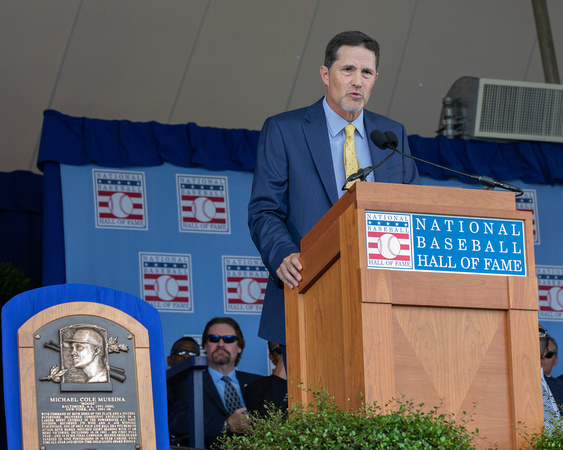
[[466, 341]]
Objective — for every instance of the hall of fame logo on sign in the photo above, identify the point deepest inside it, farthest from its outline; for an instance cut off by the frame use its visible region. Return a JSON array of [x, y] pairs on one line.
[[528, 202], [166, 281], [550, 291], [203, 204], [244, 282], [120, 199], [388, 240]]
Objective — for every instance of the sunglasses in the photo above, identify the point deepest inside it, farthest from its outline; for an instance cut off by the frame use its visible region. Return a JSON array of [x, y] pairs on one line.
[[227, 339], [550, 355], [183, 352], [276, 349]]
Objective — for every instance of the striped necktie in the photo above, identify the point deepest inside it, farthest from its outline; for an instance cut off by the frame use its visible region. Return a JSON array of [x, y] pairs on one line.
[[350, 159], [232, 399]]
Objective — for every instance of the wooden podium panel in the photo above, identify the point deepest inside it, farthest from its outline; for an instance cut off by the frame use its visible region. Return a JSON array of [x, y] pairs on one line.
[[468, 342]]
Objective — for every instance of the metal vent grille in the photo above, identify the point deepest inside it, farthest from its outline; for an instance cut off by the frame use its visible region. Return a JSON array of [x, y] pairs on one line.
[[512, 110]]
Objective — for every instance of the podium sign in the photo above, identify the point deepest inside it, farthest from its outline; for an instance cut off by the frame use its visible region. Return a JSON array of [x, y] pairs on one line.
[[85, 379], [454, 244]]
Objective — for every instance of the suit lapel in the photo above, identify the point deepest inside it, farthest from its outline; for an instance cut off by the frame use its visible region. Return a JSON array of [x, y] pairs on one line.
[[211, 391], [370, 124], [316, 134]]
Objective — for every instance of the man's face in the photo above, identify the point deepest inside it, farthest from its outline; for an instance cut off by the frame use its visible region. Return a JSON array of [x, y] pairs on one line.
[[350, 80], [187, 346], [549, 363], [83, 354], [221, 354]]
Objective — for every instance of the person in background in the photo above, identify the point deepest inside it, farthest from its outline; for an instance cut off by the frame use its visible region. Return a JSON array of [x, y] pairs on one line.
[[552, 389], [223, 385], [182, 349], [271, 390], [549, 361]]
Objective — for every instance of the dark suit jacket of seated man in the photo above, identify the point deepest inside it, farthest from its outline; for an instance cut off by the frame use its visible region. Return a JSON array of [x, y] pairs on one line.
[[556, 387], [299, 169], [223, 357]]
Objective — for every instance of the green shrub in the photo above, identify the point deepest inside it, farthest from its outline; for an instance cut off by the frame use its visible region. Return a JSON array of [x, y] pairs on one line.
[[12, 282], [323, 425], [545, 439]]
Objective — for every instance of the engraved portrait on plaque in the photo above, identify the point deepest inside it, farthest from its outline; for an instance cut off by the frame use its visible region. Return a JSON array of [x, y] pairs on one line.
[[86, 351]]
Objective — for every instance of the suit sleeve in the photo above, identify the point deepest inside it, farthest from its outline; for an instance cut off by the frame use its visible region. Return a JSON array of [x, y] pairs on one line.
[[268, 205]]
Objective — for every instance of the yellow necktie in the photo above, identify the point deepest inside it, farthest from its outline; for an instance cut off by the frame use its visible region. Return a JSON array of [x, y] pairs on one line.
[[350, 159]]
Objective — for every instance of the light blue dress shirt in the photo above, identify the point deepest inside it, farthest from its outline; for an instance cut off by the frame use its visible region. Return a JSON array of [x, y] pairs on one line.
[[337, 137], [220, 384]]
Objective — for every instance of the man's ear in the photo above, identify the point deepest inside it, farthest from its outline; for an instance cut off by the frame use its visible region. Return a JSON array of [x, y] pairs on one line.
[[325, 75]]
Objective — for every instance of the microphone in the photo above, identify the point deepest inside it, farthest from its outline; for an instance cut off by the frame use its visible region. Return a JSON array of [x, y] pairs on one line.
[[389, 140], [363, 173]]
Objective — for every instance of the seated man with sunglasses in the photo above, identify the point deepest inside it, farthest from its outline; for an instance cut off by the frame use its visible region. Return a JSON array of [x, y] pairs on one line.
[[182, 349], [224, 404], [552, 388], [550, 360]]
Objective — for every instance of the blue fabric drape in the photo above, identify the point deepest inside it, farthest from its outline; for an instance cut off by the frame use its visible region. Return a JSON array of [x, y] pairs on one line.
[[21, 222], [532, 162], [121, 143]]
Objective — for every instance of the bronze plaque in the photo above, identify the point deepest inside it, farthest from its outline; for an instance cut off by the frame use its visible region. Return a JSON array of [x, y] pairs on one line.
[[86, 385]]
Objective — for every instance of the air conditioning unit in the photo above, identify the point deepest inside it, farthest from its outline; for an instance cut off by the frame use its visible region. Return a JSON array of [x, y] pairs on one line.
[[481, 108]]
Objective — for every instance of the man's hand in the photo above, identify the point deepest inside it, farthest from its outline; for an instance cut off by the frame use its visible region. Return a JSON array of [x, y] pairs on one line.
[[289, 270], [239, 421]]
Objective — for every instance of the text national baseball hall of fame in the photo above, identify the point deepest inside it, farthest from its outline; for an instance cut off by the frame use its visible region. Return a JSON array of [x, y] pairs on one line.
[[454, 244]]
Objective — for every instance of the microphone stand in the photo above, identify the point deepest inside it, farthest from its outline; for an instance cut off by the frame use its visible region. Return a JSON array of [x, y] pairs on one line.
[[487, 182], [362, 174]]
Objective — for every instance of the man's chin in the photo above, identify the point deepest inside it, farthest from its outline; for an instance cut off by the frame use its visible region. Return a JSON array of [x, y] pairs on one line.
[[354, 107], [221, 358]]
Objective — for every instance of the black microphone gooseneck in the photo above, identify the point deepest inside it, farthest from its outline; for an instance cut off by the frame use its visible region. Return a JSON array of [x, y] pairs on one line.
[[389, 140], [363, 173]]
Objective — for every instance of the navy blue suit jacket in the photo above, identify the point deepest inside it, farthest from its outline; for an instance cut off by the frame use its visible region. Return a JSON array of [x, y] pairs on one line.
[[556, 387], [214, 411], [294, 186]]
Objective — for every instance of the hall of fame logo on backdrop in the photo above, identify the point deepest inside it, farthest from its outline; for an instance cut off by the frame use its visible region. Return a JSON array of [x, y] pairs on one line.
[[120, 199], [550, 291], [166, 281], [528, 202], [203, 204], [388, 238], [244, 282]]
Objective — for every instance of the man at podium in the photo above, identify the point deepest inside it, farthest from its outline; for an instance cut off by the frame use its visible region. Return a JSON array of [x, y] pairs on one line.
[[304, 159]]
